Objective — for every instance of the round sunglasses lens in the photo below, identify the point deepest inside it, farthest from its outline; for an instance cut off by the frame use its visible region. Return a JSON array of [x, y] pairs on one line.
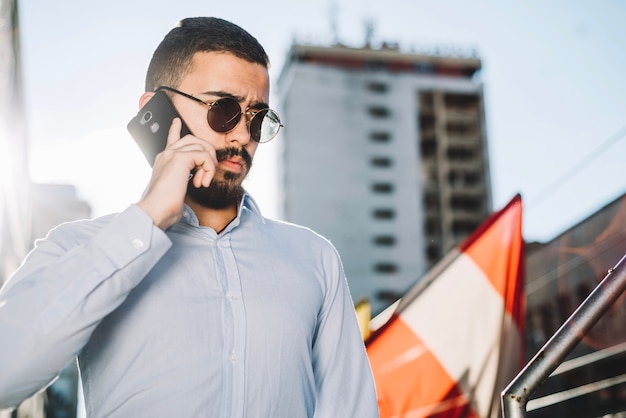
[[224, 115], [264, 125]]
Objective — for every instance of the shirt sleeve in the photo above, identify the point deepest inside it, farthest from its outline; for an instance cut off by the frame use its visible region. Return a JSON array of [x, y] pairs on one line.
[[67, 284], [343, 377]]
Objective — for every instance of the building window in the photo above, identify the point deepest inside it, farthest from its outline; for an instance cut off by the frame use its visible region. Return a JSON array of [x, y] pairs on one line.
[[431, 201], [384, 213], [385, 240], [380, 136], [461, 102], [382, 187], [426, 100], [433, 253], [432, 227], [378, 111], [466, 203], [460, 154], [385, 268], [377, 87], [464, 178], [462, 128], [427, 124], [462, 229], [381, 162], [428, 147]]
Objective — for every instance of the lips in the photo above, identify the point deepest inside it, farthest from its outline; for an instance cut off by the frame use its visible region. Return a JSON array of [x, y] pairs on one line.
[[234, 159], [234, 164]]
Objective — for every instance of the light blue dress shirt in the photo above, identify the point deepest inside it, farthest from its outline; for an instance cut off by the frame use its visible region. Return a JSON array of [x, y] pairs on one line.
[[254, 322]]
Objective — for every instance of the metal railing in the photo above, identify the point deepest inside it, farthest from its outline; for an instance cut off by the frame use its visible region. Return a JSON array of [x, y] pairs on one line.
[[516, 395]]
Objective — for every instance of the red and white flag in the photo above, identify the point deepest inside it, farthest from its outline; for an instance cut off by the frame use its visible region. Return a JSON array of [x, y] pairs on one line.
[[455, 340]]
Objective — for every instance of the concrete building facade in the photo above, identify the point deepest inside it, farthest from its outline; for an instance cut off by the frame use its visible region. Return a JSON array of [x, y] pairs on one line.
[[385, 154]]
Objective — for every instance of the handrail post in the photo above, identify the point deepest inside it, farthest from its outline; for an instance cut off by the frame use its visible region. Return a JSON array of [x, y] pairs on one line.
[[516, 395]]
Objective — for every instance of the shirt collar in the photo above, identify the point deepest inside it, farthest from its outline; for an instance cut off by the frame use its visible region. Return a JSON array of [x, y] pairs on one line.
[[247, 202]]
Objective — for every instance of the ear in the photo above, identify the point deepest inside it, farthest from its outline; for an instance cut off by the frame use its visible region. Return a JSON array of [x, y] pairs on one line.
[[144, 98]]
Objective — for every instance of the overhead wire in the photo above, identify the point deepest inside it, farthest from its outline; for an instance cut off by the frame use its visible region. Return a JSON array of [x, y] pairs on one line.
[[577, 168]]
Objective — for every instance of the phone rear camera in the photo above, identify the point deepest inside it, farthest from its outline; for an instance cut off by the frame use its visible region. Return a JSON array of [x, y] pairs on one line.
[[146, 117]]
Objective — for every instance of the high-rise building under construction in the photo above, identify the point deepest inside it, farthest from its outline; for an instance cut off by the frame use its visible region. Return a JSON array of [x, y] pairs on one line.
[[384, 153]]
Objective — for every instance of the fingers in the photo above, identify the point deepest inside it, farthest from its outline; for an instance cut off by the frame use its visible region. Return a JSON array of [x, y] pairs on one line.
[[173, 134], [204, 168], [202, 154], [165, 194]]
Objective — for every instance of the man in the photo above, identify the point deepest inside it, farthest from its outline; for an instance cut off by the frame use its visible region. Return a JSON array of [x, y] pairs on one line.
[[191, 303]]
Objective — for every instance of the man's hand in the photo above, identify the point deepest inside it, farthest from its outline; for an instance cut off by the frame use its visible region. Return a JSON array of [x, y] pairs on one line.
[[165, 196]]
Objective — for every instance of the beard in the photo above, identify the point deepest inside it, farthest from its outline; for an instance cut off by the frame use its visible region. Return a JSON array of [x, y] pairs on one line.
[[225, 189]]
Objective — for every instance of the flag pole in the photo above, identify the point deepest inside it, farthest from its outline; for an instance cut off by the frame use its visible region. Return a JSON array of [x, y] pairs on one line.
[[517, 393]]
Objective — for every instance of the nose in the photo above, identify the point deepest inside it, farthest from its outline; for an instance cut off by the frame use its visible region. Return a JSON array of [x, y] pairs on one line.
[[240, 133]]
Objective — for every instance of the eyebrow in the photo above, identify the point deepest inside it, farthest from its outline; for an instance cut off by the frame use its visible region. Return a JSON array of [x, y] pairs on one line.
[[222, 94]]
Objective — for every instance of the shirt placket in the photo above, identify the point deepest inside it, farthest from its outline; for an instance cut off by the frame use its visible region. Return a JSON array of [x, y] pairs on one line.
[[234, 329]]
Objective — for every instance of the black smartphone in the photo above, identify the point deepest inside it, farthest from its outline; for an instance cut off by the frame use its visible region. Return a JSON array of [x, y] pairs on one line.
[[149, 128]]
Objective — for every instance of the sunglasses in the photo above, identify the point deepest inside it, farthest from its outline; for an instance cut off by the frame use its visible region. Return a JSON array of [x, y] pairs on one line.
[[224, 115]]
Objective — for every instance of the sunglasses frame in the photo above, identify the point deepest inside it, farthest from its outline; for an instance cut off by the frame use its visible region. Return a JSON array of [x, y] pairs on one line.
[[250, 113]]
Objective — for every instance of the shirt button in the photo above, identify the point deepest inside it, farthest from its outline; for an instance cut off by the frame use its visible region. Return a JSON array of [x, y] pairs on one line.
[[229, 295], [137, 243], [232, 357]]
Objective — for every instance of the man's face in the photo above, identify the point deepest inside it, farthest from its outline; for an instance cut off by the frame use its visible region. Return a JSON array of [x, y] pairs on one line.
[[213, 75]]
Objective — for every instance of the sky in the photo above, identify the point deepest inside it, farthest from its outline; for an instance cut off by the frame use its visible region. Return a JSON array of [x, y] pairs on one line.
[[553, 75]]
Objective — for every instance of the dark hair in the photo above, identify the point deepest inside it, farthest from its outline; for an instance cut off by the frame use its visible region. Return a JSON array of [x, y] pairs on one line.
[[172, 57]]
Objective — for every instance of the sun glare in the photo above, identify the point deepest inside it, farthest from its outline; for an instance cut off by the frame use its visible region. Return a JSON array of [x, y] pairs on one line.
[[105, 166]]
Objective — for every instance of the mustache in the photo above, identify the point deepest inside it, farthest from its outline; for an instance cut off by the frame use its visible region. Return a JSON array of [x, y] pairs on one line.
[[229, 152]]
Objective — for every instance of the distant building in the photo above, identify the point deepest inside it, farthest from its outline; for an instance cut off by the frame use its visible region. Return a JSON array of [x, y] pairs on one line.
[[15, 215], [27, 211], [384, 153], [54, 204], [15, 207], [51, 205], [560, 275]]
